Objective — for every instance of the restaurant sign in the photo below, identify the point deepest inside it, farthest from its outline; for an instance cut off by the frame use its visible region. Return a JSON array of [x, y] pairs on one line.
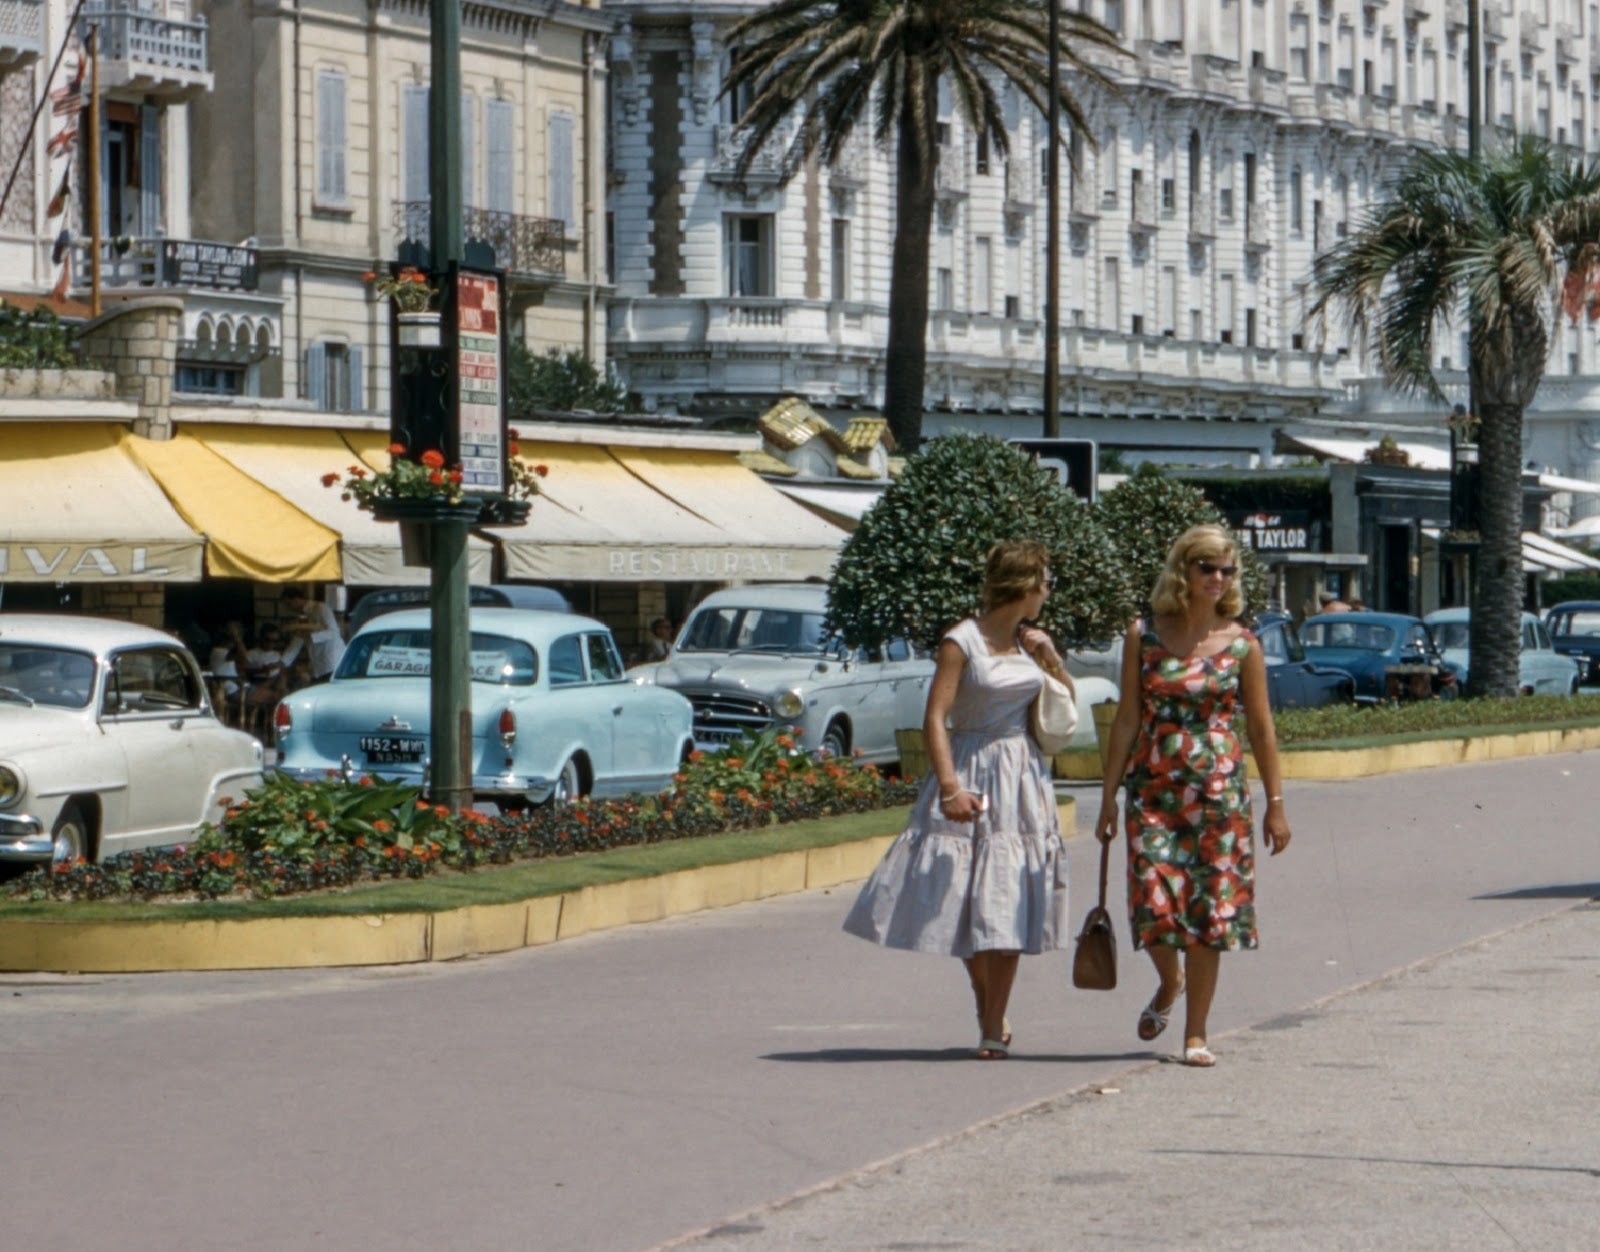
[[49, 562], [662, 563], [195, 263], [1267, 531]]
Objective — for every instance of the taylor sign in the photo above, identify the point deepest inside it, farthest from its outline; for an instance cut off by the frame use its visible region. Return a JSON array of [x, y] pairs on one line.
[[1276, 532]]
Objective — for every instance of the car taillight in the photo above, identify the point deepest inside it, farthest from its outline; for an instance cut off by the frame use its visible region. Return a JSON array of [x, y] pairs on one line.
[[282, 723], [508, 727]]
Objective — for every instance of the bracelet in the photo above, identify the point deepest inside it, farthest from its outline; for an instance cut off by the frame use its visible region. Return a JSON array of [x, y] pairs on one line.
[[1274, 799], [955, 795]]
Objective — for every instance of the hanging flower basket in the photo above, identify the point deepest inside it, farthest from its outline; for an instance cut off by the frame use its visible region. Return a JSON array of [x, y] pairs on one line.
[[418, 330], [426, 512]]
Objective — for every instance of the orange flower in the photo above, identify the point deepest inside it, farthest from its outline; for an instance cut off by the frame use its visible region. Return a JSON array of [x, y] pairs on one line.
[[433, 459], [397, 449], [514, 448], [369, 276], [381, 826], [436, 477], [423, 804], [454, 475]]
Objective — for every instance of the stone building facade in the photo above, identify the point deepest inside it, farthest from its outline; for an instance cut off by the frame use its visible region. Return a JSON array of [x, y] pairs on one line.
[[1245, 138]]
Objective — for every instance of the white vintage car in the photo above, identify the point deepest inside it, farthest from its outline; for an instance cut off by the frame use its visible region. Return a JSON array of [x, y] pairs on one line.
[[107, 740]]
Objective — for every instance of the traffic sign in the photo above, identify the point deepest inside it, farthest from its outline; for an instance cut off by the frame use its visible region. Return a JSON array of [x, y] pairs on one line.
[[1074, 461]]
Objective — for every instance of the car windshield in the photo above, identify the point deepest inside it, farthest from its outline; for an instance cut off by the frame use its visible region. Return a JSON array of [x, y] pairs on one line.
[[1361, 636], [735, 629], [404, 653], [1450, 634], [54, 676], [1578, 622]]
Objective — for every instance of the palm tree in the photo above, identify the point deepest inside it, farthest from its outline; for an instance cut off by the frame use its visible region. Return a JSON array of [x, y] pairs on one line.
[[1511, 237], [837, 61]]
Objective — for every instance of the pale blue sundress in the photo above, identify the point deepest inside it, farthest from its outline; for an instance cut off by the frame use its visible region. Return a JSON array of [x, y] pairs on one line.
[[997, 884]]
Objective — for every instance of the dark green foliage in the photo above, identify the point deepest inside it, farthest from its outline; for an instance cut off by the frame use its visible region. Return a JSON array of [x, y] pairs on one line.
[[1571, 587], [34, 341], [1145, 513], [914, 567], [1429, 719], [1238, 493], [559, 382]]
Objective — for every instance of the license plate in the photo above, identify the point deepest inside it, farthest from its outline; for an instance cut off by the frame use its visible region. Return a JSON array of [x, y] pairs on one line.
[[710, 740], [392, 749]]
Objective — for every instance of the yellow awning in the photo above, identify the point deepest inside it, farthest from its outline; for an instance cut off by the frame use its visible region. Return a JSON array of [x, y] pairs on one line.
[[76, 507], [292, 461], [251, 531], [629, 515]]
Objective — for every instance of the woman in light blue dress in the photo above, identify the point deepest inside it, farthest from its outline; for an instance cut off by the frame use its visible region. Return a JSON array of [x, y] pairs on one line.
[[980, 872]]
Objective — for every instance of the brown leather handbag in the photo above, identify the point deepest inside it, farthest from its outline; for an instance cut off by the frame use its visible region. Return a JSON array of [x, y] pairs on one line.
[[1094, 964]]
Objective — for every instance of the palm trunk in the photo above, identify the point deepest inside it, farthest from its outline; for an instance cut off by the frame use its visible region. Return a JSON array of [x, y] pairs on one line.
[[1496, 629], [906, 359]]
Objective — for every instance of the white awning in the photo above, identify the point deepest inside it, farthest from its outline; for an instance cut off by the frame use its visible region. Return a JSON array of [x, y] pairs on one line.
[[1354, 449], [1583, 528], [1578, 486], [833, 500], [1556, 556]]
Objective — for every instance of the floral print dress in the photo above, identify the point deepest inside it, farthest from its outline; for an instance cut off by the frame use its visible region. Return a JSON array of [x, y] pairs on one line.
[[1191, 864]]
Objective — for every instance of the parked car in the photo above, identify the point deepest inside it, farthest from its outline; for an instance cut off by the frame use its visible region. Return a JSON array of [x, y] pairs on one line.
[[108, 741], [501, 595], [1575, 630], [1294, 681], [1541, 669], [1389, 655], [757, 656], [553, 714]]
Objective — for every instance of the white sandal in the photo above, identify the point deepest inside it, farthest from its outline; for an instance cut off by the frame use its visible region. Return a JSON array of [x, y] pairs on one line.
[[1199, 1056], [1156, 1018]]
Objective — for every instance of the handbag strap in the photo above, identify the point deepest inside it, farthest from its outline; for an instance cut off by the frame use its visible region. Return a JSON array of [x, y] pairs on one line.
[[1105, 865]]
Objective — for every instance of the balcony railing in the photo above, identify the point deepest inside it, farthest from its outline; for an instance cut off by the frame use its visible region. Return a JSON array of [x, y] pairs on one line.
[[21, 32], [522, 245], [145, 52], [154, 261], [1202, 218]]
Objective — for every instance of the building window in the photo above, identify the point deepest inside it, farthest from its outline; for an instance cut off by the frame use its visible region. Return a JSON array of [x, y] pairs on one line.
[[500, 153], [210, 380], [1296, 199], [737, 102], [841, 258], [1250, 328], [335, 380], [982, 274], [982, 148], [944, 297], [1111, 295], [749, 254], [414, 110], [332, 141], [562, 174]]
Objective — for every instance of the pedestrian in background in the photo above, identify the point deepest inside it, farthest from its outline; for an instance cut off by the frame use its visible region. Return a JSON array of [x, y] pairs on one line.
[[980, 872], [316, 630], [659, 646], [1191, 864]]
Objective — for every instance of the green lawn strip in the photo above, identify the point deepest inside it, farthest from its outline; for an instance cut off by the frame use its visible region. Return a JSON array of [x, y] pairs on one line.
[[499, 884], [1350, 742]]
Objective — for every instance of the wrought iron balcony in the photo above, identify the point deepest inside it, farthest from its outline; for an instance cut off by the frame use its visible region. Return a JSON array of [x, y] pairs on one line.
[[21, 33], [521, 244], [145, 53], [154, 261]]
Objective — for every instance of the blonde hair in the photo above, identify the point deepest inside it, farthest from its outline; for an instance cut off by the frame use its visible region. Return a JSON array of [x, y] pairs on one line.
[[1014, 567], [1198, 543]]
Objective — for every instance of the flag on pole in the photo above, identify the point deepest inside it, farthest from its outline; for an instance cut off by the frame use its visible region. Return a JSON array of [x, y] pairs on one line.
[[63, 242], [58, 202], [67, 100], [63, 142], [59, 292]]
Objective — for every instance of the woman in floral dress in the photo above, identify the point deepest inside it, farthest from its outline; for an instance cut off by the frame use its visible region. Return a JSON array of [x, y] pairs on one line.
[[980, 872], [1191, 865]]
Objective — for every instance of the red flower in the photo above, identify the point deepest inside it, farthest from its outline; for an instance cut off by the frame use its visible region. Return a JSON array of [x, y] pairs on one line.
[[432, 459], [329, 479], [541, 470], [397, 449], [380, 825], [436, 478], [454, 475], [511, 432], [514, 448]]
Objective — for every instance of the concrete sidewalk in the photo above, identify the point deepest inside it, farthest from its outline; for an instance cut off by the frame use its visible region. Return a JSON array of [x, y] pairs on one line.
[[1453, 1104]]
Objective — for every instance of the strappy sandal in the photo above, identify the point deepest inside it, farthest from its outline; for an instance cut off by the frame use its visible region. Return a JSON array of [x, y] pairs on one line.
[[1152, 1021], [1199, 1056], [992, 1050], [1005, 1031]]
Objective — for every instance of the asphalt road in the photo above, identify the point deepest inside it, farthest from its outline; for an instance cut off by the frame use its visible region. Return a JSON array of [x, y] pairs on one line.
[[620, 1090]]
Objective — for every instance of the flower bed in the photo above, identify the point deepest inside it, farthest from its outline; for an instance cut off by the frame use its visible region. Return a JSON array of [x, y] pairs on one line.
[[289, 837]]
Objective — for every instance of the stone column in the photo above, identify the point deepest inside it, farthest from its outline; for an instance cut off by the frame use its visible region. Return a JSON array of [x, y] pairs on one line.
[[137, 340]]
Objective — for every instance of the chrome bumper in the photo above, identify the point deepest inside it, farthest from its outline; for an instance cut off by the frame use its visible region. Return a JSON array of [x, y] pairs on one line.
[[23, 838]]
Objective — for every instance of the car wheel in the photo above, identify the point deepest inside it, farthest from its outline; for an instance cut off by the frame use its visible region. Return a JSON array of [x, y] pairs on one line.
[[69, 839], [569, 784], [836, 740]]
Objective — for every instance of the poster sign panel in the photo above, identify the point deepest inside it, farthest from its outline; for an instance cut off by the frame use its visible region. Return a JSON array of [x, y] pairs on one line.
[[480, 379]]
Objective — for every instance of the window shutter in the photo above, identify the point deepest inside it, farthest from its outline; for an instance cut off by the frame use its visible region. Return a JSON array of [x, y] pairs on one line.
[[317, 374], [358, 381], [499, 123], [149, 170], [561, 176], [468, 106], [331, 186], [416, 143]]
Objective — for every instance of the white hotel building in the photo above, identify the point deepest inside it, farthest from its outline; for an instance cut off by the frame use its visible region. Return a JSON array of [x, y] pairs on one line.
[[1247, 137]]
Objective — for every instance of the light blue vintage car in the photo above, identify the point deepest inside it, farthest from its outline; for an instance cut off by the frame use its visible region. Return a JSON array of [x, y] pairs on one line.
[[553, 714], [1541, 669]]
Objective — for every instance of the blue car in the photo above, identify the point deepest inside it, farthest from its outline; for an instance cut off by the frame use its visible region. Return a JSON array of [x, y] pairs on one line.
[[1294, 680], [1541, 670], [1575, 630], [554, 715], [1391, 656]]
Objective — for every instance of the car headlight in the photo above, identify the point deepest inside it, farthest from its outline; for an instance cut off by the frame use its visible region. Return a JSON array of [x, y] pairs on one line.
[[11, 786], [789, 704]]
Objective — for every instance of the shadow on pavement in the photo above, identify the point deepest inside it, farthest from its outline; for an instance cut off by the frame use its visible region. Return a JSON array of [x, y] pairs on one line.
[[849, 1056], [1552, 891]]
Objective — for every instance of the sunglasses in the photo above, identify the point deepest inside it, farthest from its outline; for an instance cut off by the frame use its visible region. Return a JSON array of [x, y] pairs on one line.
[[1047, 582], [1209, 568]]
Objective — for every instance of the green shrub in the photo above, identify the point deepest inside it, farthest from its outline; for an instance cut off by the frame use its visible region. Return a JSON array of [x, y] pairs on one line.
[[556, 381], [1584, 586], [1339, 722], [914, 567], [34, 340]]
